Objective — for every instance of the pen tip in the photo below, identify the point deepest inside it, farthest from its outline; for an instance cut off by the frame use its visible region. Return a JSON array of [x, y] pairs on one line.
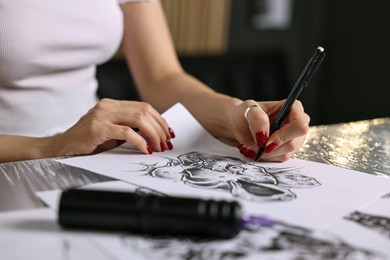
[[259, 154], [321, 49]]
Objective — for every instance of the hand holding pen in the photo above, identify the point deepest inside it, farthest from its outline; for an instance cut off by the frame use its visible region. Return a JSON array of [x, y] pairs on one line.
[[284, 118]]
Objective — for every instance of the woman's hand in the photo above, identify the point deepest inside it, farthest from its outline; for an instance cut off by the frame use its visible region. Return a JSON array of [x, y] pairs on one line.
[[252, 131], [111, 123]]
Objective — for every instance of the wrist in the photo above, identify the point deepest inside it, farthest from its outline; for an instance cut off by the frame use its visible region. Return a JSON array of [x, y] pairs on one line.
[[47, 147], [225, 119], [42, 148]]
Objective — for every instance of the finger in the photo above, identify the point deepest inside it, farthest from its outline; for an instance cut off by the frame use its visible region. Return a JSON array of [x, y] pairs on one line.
[[153, 126], [285, 151], [163, 124], [160, 123], [156, 134], [143, 116], [166, 133], [280, 158], [258, 122], [291, 130], [127, 134]]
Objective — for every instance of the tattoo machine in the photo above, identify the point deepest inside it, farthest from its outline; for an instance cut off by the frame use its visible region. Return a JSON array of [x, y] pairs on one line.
[[149, 214], [154, 215]]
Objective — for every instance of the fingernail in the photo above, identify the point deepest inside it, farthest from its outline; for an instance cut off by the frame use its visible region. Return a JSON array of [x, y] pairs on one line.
[[271, 147], [150, 150], [169, 144], [241, 148], [171, 132], [162, 147], [250, 153], [261, 138], [247, 152]]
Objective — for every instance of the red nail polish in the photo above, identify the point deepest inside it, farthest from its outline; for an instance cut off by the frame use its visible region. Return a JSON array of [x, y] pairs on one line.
[[239, 146], [169, 144], [150, 150], [247, 152], [250, 153], [171, 132], [241, 150], [162, 147], [261, 138], [271, 147]]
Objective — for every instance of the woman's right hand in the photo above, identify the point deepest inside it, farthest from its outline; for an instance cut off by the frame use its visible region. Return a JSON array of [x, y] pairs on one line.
[[110, 123]]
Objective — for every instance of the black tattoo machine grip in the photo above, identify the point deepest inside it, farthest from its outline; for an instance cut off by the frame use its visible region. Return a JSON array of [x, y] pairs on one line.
[[149, 214]]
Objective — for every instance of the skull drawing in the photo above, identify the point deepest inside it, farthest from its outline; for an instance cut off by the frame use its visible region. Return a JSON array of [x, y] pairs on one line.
[[230, 174]]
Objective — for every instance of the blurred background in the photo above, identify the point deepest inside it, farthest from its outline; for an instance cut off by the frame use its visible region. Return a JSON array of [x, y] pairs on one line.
[[256, 49]]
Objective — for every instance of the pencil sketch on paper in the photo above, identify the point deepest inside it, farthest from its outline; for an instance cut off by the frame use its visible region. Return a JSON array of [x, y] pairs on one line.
[[380, 224], [230, 174], [280, 241]]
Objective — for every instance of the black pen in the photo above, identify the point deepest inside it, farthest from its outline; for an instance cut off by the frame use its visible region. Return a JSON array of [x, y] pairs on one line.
[[307, 73]]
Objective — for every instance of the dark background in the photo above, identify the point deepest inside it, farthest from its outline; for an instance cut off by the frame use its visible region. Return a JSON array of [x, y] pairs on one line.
[[353, 82]]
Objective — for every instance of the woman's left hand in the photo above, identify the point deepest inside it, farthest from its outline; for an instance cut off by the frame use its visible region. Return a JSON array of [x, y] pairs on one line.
[[252, 130]]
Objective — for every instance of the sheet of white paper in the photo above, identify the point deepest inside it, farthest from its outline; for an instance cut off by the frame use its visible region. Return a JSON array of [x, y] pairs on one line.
[[300, 192], [52, 198], [281, 241], [277, 243], [369, 226], [34, 234]]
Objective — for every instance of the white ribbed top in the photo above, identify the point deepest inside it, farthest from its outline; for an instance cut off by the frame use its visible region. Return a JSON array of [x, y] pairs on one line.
[[48, 53]]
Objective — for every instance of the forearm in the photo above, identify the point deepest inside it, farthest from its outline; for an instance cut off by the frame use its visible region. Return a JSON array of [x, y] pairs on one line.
[[18, 148], [213, 110], [160, 79]]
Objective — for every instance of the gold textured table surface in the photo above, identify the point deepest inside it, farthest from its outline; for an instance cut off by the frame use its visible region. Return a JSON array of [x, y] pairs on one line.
[[363, 146]]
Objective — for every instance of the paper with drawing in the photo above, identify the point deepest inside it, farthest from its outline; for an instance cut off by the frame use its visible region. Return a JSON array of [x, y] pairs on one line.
[[300, 192], [341, 240]]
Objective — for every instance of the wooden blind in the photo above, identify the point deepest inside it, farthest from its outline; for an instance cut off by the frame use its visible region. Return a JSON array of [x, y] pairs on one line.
[[198, 27]]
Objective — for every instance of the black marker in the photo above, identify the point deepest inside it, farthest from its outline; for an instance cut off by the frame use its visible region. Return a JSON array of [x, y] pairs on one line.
[[150, 214], [307, 73]]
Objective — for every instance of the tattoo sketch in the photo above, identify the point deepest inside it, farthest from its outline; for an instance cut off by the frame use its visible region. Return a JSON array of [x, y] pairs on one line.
[[276, 241], [230, 174], [379, 224], [280, 241]]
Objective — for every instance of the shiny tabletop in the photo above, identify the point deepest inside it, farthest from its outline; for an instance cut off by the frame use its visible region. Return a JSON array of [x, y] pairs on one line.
[[363, 146]]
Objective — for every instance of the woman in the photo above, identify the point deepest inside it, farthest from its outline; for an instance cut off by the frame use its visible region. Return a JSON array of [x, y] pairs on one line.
[[48, 104]]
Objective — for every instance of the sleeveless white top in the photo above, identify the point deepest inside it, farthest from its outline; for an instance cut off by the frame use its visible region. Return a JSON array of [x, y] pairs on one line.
[[49, 50]]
